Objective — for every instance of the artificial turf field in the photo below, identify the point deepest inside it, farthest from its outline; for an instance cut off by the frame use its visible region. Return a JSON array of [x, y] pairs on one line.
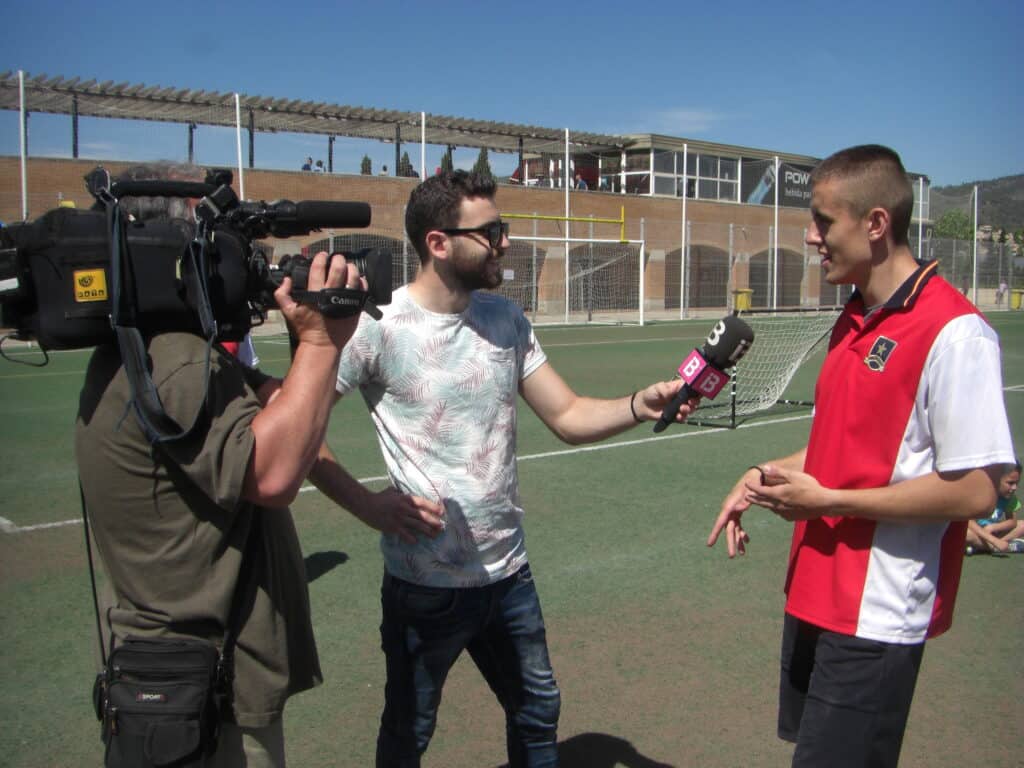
[[665, 651]]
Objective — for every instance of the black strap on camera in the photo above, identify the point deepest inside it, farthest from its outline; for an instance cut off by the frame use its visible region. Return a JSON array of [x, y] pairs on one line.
[[334, 302], [157, 425]]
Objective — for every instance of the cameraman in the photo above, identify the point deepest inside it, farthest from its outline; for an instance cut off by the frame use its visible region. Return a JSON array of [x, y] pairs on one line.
[[179, 524]]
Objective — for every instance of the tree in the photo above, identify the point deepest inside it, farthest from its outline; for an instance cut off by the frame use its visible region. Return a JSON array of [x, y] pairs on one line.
[[405, 166], [446, 159], [954, 224], [366, 167], [483, 165]]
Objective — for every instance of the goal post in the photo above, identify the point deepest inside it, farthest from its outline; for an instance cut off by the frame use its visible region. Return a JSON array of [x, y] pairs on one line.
[[783, 341], [576, 280]]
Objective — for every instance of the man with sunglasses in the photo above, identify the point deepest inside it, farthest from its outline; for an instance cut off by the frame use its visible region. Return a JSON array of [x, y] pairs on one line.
[[440, 374]]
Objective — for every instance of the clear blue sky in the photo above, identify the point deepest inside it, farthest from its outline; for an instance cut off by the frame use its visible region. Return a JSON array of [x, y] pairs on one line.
[[940, 82]]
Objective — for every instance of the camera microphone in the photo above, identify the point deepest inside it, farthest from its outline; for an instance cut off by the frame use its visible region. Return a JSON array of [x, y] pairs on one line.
[[284, 218], [704, 370], [329, 213]]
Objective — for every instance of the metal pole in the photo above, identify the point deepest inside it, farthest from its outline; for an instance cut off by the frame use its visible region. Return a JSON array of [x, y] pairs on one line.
[[682, 244], [920, 216], [643, 239], [191, 142], [974, 256], [405, 253], [238, 146], [732, 257], [522, 170], [590, 274], [398, 148], [686, 250], [423, 146], [650, 172], [74, 126], [643, 242], [536, 277], [775, 241], [806, 264], [252, 140], [565, 182], [330, 153], [23, 144]]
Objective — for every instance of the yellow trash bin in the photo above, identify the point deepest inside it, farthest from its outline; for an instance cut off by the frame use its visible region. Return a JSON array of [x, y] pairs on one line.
[[1015, 296], [742, 298]]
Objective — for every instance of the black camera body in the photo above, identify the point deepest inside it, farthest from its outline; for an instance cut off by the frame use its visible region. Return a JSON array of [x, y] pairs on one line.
[[61, 275], [57, 287]]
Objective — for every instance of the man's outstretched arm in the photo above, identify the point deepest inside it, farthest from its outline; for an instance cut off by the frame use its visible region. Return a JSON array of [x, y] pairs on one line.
[[576, 419]]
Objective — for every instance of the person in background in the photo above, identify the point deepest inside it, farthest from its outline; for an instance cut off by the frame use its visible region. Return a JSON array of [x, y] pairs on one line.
[[1003, 530], [244, 350], [907, 444]]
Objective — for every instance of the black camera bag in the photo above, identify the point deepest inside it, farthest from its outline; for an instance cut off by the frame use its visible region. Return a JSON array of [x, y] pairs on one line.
[[159, 703], [161, 699]]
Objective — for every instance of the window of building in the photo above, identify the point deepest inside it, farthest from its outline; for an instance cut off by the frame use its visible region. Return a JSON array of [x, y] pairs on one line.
[[707, 177], [717, 177]]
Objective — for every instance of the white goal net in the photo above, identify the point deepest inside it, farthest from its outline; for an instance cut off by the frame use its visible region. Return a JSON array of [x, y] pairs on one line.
[[782, 342], [600, 281]]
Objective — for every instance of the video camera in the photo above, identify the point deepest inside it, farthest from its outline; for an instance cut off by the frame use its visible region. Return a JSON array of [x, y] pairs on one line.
[[72, 275]]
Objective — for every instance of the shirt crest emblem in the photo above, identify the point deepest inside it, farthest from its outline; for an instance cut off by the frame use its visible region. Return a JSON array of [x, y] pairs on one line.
[[879, 354]]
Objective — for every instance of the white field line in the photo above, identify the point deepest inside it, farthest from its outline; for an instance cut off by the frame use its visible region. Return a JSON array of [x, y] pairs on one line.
[[8, 527]]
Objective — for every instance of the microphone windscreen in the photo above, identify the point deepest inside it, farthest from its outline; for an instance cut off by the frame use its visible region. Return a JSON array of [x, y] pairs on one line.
[[728, 341], [331, 213]]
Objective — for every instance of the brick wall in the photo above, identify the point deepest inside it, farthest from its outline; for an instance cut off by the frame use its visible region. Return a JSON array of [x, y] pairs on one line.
[[658, 219]]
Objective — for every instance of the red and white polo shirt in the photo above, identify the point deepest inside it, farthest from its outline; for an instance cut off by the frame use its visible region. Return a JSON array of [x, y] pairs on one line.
[[915, 388]]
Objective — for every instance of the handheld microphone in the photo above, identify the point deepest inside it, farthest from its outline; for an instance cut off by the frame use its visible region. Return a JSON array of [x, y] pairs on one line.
[[704, 370]]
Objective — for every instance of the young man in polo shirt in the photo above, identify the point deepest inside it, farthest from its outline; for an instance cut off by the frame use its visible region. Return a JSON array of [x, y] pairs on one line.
[[908, 441]]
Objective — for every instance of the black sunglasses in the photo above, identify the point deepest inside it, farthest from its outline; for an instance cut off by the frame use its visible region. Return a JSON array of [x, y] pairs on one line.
[[495, 231]]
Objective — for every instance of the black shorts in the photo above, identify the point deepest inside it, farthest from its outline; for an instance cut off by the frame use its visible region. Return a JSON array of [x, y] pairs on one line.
[[842, 699]]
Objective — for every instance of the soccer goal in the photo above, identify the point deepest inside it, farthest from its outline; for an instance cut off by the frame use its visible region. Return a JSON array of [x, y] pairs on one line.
[[576, 280], [782, 343]]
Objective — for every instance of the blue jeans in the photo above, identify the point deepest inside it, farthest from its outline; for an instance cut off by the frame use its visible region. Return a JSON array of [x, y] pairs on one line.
[[424, 630]]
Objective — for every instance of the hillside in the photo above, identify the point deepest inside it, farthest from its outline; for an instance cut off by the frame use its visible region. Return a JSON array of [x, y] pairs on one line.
[[1001, 201]]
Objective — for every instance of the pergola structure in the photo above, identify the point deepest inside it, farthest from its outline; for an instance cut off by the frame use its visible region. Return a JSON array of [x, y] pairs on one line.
[[77, 98]]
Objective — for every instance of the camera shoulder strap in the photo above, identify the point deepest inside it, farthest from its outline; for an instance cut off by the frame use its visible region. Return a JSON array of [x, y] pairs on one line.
[[157, 425]]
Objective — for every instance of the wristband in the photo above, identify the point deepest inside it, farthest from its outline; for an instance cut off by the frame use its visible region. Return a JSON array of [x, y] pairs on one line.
[[633, 410]]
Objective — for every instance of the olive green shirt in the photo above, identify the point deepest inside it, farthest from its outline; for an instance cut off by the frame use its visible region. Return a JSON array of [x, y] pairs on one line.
[[171, 528]]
